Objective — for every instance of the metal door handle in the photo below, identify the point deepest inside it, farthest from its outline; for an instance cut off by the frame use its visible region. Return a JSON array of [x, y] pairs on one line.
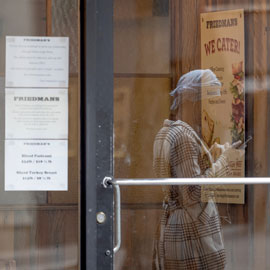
[[107, 181], [116, 183]]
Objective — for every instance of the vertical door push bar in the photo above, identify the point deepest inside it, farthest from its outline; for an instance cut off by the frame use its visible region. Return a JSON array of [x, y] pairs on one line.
[[109, 181]]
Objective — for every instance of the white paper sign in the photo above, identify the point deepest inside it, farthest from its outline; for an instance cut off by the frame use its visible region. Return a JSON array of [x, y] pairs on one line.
[[36, 113], [36, 165], [37, 61]]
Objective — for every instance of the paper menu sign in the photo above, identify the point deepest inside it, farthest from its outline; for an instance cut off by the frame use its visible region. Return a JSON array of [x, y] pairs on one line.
[[36, 113], [223, 117], [36, 164], [37, 61]]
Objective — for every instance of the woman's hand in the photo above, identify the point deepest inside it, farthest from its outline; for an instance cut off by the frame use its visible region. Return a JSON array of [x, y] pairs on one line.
[[218, 149]]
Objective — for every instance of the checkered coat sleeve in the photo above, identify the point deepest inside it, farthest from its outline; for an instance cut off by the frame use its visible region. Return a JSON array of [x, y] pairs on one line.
[[189, 235]]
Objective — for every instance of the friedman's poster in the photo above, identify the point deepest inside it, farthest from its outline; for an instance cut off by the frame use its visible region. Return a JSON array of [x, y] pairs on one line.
[[36, 113], [36, 165], [37, 61], [223, 116], [33, 113]]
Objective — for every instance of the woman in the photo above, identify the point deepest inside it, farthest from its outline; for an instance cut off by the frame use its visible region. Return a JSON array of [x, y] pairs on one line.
[[189, 235]]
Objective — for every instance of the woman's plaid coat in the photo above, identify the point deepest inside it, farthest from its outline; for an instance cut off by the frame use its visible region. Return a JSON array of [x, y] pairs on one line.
[[189, 235]]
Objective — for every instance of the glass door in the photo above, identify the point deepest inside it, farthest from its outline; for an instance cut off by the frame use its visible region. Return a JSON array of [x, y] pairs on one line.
[[40, 134], [191, 101]]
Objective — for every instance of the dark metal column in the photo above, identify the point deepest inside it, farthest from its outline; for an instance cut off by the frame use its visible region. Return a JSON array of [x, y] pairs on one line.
[[97, 131]]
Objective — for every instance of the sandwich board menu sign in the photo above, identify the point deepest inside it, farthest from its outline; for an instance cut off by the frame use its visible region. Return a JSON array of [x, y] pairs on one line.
[[36, 113], [223, 116]]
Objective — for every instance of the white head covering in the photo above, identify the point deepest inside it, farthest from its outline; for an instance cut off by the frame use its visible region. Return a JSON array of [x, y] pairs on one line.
[[190, 84]]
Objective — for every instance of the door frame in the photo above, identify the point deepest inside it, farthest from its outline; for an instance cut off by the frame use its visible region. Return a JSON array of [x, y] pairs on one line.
[[96, 133]]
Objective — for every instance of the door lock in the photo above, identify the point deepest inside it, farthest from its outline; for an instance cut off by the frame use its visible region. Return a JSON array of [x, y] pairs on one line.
[[101, 217]]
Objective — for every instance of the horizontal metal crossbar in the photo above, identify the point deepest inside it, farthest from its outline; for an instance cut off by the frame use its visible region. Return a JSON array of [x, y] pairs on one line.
[[185, 181]]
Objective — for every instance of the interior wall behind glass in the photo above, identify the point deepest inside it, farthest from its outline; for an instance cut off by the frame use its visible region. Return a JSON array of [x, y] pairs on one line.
[[141, 38]]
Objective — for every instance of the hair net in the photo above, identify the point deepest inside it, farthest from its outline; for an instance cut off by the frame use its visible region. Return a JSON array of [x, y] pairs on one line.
[[190, 84]]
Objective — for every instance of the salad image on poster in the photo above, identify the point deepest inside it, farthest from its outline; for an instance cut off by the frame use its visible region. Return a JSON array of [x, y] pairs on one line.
[[238, 103]]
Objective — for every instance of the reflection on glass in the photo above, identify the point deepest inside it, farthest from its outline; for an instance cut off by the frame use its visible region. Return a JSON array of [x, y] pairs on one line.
[[190, 235], [150, 46]]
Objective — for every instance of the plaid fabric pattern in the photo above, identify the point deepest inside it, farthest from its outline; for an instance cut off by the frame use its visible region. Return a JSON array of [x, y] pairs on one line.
[[189, 234]]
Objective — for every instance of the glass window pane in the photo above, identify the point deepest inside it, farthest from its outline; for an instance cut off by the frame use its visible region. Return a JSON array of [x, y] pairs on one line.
[[215, 55], [40, 229]]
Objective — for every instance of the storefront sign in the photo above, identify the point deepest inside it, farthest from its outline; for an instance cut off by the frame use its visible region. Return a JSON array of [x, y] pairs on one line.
[[223, 117], [37, 61], [36, 164], [36, 113]]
